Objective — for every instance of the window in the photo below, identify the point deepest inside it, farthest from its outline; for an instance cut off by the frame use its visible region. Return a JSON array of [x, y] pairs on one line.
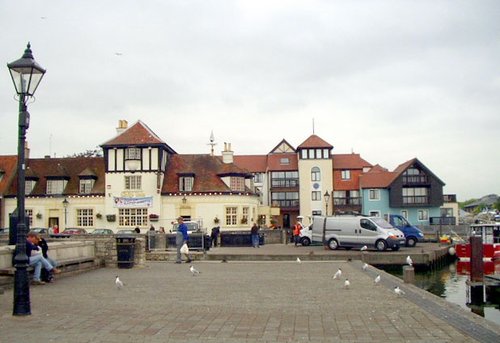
[[29, 185], [132, 216], [56, 186], [414, 175], [303, 154], [244, 217], [86, 185], [423, 215], [258, 177], [374, 213], [231, 216], [133, 182], [315, 196], [133, 154], [285, 199], [29, 213], [404, 213], [367, 225], [326, 154], [346, 174], [85, 217], [186, 183], [237, 183], [415, 195], [374, 194], [285, 179], [446, 212], [315, 174], [284, 161]]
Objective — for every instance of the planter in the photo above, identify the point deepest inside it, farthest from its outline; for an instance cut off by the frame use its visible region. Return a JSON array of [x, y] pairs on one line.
[[111, 217]]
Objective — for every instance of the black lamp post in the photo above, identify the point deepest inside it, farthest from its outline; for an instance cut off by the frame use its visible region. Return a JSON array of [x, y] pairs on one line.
[[327, 200], [65, 205], [26, 75]]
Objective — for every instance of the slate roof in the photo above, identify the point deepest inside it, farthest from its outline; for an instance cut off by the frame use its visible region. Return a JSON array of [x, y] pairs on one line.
[[68, 168], [207, 171], [315, 141]]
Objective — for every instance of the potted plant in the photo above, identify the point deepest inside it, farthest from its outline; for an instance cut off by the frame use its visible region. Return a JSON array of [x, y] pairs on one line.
[[98, 216], [39, 215], [216, 220], [154, 217]]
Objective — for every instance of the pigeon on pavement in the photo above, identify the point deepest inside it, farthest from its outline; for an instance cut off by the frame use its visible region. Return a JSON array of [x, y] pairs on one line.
[[398, 291], [338, 274], [365, 266], [194, 271], [347, 284], [118, 283], [298, 260], [377, 279], [364, 248]]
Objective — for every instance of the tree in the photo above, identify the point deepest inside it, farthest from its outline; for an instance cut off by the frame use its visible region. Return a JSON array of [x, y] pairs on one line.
[[96, 152]]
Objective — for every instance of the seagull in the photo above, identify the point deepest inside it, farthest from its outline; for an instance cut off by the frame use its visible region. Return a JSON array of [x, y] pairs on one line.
[[377, 279], [118, 53], [194, 271], [338, 274], [409, 260], [365, 266], [398, 291], [118, 283], [347, 284], [363, 248], [298, 260]]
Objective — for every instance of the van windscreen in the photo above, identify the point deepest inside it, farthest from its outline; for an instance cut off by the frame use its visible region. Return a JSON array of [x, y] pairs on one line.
[[382, 223]]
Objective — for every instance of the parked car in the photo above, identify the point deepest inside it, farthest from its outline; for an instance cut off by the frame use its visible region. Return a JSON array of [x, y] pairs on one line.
[[102, 232], [74, 231], [40, 230], [126, 232], [192, 227]]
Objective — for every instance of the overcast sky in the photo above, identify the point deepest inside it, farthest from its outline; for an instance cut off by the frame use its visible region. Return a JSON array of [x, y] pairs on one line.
[[390, 80]]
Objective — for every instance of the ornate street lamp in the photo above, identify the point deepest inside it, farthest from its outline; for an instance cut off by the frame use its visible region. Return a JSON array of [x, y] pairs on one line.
[[26, 75], [65, 205], [327, 200]]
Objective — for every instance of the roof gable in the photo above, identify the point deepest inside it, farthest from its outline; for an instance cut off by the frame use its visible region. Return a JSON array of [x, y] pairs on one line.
[[283, 147], [315, 141]]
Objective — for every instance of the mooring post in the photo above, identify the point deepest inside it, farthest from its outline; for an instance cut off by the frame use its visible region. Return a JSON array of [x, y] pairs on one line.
[[476, 259], [409, 274]]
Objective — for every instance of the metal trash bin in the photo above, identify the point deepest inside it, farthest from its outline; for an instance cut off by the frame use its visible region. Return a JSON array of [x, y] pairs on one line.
[[125, 248]]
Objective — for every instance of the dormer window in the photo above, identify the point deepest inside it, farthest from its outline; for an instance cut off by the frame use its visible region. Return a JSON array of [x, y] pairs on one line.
[[237, 184], [284, 161], [186, 183], [29, 185], [133, 154], [56, 186], [86, 186]]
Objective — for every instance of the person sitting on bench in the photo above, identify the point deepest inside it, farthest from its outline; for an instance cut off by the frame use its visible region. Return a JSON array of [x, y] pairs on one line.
[[36, 259]]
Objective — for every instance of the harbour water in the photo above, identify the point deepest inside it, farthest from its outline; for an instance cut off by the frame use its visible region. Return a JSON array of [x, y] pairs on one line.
[[447, 283]]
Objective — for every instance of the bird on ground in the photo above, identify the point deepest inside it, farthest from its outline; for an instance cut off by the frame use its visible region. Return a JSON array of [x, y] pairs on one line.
[[409, 260], [298, 260], [347, 284], [363, 248], [377, 279], [194, 271], [398, 291], [118, 283], [338, 274], [365, 266]]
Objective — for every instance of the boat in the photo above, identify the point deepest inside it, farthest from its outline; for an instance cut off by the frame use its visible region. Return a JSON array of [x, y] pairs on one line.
[[490, 234]]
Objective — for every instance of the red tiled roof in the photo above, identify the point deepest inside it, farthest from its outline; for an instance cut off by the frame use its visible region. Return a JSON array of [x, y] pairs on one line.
[[252, 163], [349, 161], [8, 166], [137, 134], [207, 172], [314, 141], [275, 162], [69, 168], [377, 177]]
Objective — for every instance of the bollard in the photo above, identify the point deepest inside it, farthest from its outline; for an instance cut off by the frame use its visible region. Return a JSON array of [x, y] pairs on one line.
[[476, 259], [409, 274]]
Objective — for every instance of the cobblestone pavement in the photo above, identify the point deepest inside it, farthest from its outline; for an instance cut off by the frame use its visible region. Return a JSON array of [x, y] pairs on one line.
[[227, 302]]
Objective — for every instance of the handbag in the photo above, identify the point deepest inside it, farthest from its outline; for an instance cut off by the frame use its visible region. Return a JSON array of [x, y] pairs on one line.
[[185, 249]]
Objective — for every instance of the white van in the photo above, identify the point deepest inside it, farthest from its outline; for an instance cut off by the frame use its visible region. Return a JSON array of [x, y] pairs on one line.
[[356, 232]]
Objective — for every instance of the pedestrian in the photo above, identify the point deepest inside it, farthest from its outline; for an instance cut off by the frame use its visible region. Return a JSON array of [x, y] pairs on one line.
[[55, 229], [36, 259], [162, 229], [181, 238], [46, 275], [255, 235], [215, 235], [296, 232]]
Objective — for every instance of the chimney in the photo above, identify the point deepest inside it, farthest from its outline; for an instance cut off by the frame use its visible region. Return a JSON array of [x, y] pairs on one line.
[[122, 126], [227, 154]]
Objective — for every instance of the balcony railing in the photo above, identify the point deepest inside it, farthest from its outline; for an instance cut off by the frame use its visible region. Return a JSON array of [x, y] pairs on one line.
[[346, 201], [415, 179], [416, 200]]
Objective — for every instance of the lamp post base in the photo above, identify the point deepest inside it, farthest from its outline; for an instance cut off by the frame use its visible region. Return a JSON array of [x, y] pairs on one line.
[[22, 306]]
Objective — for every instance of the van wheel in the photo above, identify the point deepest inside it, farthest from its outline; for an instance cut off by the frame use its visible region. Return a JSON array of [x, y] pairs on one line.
[[333, 244], [305, 241], [381, 245], [411, 242]]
